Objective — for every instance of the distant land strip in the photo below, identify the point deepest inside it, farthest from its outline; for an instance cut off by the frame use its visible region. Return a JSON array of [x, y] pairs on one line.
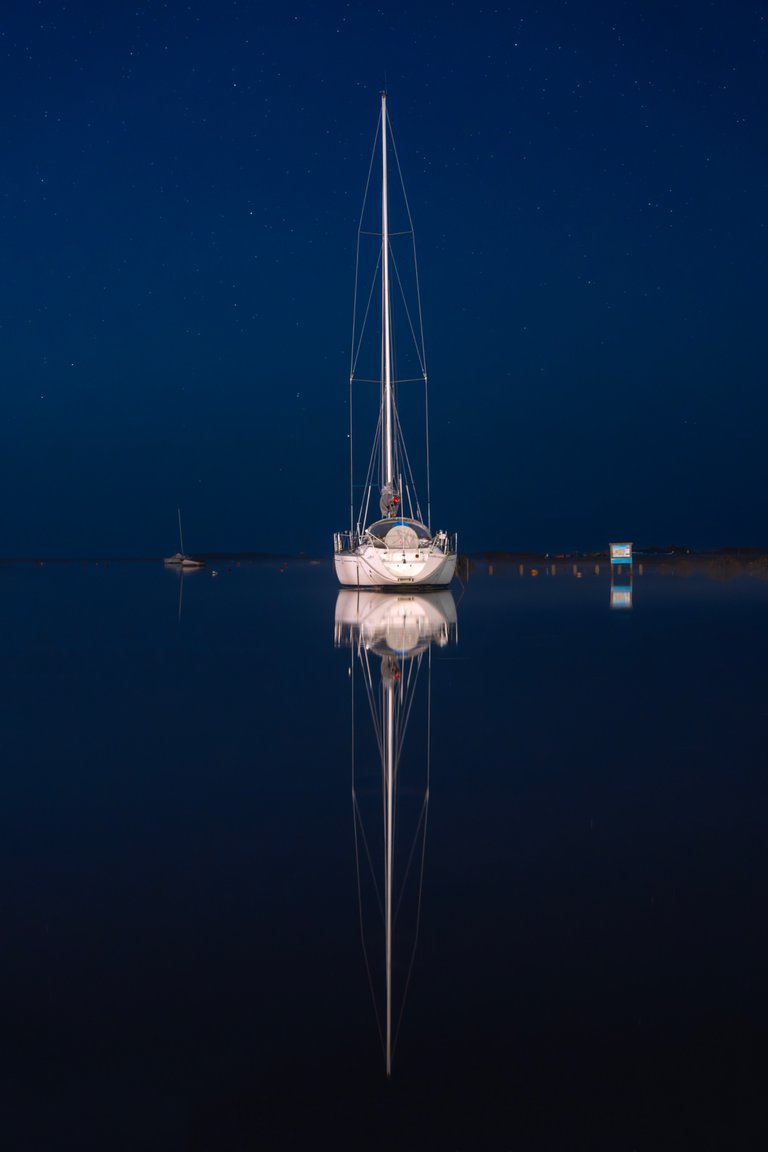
[[205, 557], [717, 563], [721, 563]]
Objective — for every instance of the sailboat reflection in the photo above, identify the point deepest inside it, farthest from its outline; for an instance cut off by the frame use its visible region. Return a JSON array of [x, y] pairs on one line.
[[390, 636], [183, 573]]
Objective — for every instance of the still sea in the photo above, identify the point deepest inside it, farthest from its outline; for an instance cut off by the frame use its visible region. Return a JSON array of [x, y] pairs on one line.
[[260, 842]]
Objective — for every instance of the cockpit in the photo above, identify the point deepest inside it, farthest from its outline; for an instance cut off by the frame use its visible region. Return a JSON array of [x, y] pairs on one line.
[[398, 533]]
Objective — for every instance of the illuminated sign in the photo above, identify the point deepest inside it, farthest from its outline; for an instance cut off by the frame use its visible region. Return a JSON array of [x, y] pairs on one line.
[[621, 553]]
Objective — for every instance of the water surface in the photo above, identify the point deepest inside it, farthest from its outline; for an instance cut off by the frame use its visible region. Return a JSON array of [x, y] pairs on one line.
[[191, 952]]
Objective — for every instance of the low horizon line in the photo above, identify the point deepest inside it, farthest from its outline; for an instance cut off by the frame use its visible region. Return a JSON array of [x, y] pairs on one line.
[[647, 552]]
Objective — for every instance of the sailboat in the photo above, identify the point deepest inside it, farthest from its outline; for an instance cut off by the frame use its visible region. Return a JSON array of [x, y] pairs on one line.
[[389, 637], [180, 559], [393, 545]]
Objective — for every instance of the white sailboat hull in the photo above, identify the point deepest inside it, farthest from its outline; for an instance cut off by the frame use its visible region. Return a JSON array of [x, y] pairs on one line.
[[370, 567]]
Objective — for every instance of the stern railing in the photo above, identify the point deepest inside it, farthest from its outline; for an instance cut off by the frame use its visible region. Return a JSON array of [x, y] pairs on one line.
[[348, 541]]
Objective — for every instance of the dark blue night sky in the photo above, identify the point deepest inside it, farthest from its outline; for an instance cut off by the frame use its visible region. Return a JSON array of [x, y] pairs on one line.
[[178, 204]]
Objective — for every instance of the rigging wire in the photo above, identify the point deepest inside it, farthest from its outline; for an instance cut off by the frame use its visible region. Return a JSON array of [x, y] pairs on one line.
[[409, 470], [413, 238], [368, 486], [419, 351], [425, 814], [374, 280], [359, 233], [421, 328], [358, 821], [354, 323]]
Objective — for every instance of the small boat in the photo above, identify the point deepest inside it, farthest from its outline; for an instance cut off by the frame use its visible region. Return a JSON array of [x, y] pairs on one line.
[[397, 547], [180, 559]]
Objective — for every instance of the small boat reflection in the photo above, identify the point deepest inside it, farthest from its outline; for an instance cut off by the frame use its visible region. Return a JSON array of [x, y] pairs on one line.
[[390, 637], [183, 571]]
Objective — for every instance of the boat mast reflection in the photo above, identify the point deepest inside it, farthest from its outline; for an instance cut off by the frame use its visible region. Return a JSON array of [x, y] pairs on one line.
[[182, 574], [389, 637]]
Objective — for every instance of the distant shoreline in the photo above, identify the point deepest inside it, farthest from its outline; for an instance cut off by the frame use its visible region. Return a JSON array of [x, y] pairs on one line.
[[717, 562]]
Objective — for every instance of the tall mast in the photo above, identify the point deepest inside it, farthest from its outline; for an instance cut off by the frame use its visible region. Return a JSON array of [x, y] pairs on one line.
[[387, 397]]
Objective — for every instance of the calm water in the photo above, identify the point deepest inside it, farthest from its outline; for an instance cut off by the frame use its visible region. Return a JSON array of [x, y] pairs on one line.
[[192, 950]]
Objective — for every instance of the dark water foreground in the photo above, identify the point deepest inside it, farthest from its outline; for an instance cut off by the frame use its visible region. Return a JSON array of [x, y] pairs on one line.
[[192, 954]]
